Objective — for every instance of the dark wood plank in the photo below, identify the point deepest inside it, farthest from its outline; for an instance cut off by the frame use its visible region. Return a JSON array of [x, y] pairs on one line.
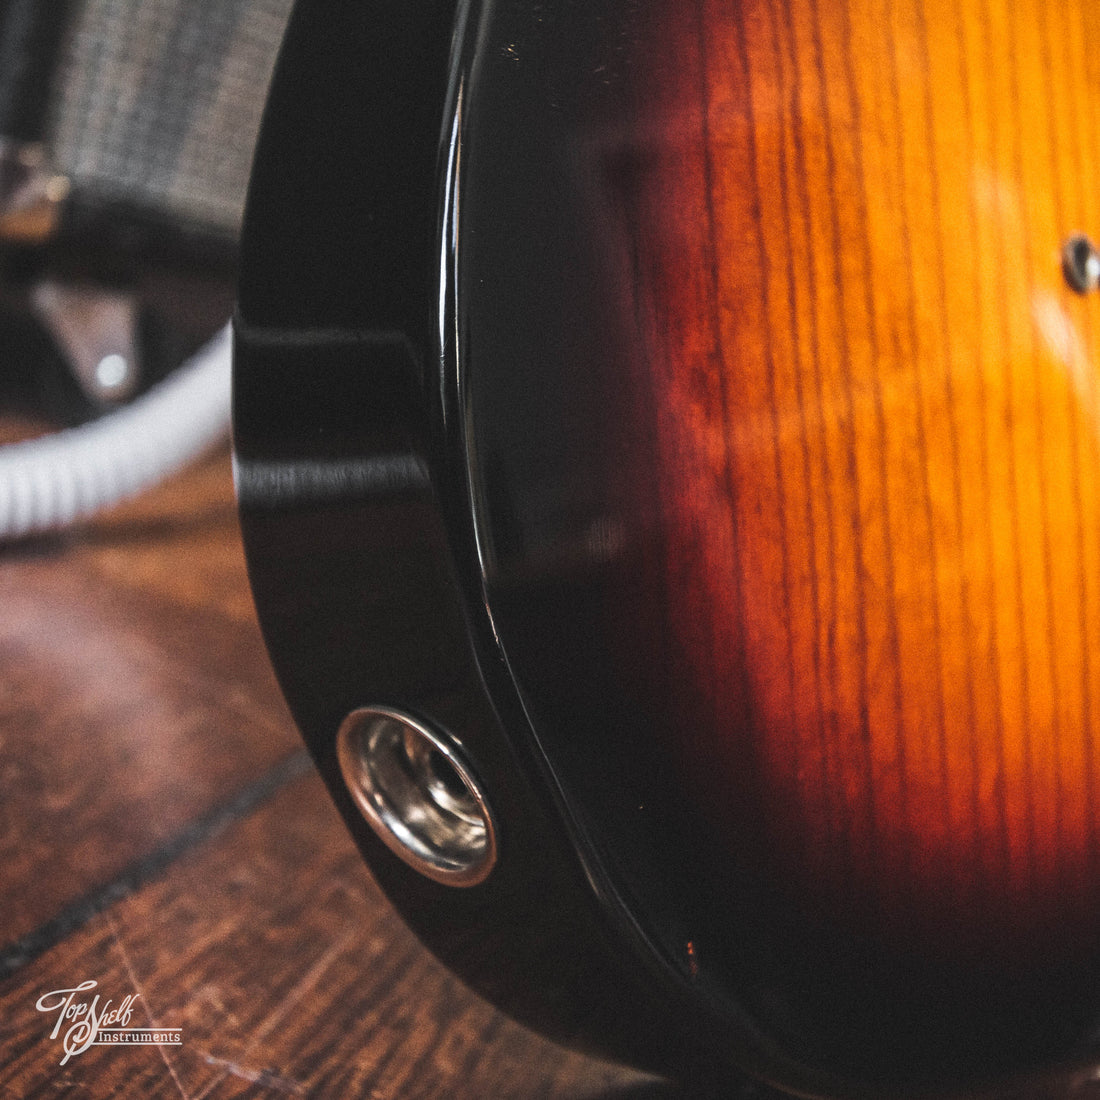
[[134, 692], [287, 974]]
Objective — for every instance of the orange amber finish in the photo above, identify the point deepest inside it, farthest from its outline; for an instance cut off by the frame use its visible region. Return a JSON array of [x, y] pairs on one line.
[[877, 423]]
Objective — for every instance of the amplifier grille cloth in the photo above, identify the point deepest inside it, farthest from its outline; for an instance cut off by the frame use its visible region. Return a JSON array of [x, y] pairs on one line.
[[157, 103]]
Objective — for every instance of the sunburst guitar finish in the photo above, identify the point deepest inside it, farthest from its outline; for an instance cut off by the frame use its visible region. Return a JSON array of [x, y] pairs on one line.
[[877, 418]]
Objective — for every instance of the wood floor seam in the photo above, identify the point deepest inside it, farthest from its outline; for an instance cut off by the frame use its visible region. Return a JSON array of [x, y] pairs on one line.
[[74, 916]]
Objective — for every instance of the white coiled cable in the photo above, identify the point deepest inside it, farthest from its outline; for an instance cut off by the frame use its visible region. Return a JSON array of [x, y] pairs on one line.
[[49, 483]]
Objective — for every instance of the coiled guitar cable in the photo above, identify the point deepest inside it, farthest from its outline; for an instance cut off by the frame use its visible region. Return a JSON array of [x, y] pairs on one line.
[[50, 483]]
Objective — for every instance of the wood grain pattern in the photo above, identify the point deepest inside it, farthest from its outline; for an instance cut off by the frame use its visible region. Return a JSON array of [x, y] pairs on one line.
[[136, 693], [162, 833], [288, 974], [877, 430]]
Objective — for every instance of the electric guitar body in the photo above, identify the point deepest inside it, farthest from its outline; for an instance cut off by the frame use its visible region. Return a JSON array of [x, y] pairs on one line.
[[691, 411]]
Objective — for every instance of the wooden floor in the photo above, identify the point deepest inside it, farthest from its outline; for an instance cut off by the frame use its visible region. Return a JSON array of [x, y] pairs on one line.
[[163, 834]]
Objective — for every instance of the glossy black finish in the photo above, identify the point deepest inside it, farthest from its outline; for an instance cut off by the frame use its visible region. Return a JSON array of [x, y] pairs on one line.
[[342, 210], [358, 525]]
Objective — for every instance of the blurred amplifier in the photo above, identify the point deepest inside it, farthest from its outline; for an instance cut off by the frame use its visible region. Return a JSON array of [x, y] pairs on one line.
[[126, 136], [130, 124]]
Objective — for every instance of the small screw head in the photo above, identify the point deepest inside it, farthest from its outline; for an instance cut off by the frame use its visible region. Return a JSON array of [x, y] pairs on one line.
[[1081, 264]]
